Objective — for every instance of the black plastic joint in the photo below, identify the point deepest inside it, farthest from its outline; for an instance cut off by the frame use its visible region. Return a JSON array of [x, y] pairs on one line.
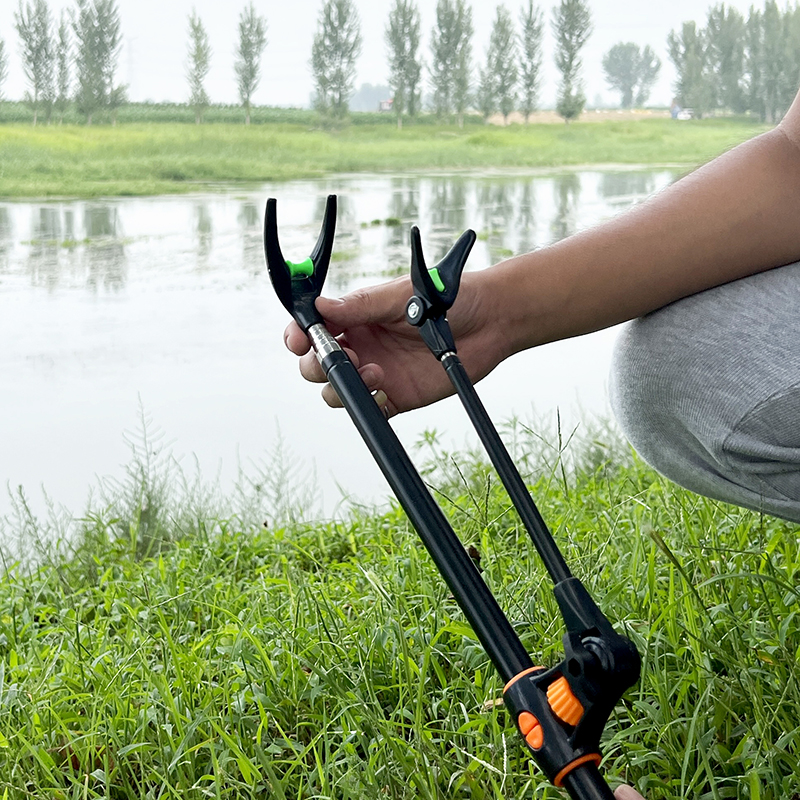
[[553, 745], [433, 328]]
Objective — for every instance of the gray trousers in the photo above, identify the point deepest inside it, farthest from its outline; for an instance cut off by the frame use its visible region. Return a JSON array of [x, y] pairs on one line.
[[708, 391]]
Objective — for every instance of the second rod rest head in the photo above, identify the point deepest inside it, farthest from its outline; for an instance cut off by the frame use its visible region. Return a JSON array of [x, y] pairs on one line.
[[438, 286], [435, 291]]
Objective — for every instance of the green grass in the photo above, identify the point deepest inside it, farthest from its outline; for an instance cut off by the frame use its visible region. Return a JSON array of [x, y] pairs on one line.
[[181, 649], [154, 158]]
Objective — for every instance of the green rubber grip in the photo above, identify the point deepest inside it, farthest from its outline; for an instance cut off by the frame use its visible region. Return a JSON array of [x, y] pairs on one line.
[[437, 279], [303, 269]]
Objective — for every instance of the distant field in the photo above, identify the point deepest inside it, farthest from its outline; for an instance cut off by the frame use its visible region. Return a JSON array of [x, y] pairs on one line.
[[137, 158]]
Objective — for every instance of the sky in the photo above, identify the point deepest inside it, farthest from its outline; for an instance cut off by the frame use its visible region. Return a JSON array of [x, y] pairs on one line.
[[153, 58]]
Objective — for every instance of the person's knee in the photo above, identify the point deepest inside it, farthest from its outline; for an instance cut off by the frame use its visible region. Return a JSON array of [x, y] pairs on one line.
[[659, 391], [707, 414], [764, 446]]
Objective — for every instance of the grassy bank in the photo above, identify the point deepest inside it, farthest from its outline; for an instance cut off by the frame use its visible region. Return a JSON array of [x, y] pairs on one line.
[[180, 652], [138, 159]]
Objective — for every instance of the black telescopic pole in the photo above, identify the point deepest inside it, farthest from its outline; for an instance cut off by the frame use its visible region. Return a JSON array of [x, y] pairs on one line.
[[471, 593], [586, 783], [520, 496]]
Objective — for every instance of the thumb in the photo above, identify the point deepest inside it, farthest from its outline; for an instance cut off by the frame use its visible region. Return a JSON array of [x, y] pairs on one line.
[[374, 305], [627, 793]]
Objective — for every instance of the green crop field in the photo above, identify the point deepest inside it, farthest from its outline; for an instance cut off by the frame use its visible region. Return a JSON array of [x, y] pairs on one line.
[[140, 158]]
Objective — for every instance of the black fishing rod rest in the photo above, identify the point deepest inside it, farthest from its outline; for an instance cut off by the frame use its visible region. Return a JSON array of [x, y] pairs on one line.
[[298, 285], [560, 712], [435, 291]]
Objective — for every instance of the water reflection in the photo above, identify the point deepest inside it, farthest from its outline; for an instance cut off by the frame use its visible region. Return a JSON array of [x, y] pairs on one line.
[[94, 245], [495, 199], [403, 213], [179, 294], [104, 253], [6, 233], [250, 223], [205, 233], [347, 245], [447, 214], [526, 218], [44, 250], [622, 187], [566, 193]]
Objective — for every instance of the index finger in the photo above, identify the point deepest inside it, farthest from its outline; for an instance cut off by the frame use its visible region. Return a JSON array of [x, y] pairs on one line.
[[295, 339]]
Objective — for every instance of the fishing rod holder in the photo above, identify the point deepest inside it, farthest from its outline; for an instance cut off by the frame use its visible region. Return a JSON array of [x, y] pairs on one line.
[[561, 712], [299, 284]]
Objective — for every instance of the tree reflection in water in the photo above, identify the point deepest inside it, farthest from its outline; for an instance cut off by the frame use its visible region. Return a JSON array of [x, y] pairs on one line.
[[526, 218], [497, 206], [566, 193], [104, 252], [622, 188], [205, 233], [250, 223], [447, 215], [6, 238], [43, 255]]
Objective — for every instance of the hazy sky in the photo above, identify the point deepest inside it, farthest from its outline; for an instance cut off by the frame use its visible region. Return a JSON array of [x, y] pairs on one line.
[[153, 56]]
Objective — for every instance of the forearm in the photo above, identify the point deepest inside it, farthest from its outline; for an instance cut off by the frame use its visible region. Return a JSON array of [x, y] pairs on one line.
[[737, 215]]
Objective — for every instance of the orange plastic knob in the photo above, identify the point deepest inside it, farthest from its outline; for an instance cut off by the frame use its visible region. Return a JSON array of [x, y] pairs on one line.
[[565, 705], [536, 737], [531, 729], [527, 722]]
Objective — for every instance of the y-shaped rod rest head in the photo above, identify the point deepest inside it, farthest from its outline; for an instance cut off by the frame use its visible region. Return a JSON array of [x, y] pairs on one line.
[[298, 285]]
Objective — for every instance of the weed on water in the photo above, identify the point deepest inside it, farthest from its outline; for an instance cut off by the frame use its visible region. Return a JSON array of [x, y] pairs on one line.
[[192, 652]]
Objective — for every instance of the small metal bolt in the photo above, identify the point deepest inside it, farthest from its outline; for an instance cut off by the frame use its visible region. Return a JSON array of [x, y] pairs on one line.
[[414, 309]]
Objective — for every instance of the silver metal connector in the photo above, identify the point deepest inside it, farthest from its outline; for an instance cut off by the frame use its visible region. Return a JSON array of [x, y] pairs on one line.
[[323, 343]]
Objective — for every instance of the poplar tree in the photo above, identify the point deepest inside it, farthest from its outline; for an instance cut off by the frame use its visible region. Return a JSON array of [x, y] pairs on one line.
[[791, 22], [649, 68], [486, 96], [725, 44], [402, 37], [631, 71], [88, 72], [572, 26], [110, 37], [33, 23], [3, 66], [252, 41], [98, 39], [336, 48], [462, 79], [754, 53], [199, 63], [502, 61], [530, 57], [451, 51], [687, 51], [62, 67]]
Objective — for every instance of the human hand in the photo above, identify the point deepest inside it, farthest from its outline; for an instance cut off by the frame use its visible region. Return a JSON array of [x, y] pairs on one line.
[[627, 793], [389, 353]]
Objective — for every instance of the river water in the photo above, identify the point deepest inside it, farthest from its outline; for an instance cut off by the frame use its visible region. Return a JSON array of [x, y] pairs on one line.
[[114, 310]]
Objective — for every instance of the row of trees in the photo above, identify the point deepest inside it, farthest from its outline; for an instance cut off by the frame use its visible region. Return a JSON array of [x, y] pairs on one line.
[[739, 64], [47, 57], [509, 78], [88, 36], [734, 63]]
